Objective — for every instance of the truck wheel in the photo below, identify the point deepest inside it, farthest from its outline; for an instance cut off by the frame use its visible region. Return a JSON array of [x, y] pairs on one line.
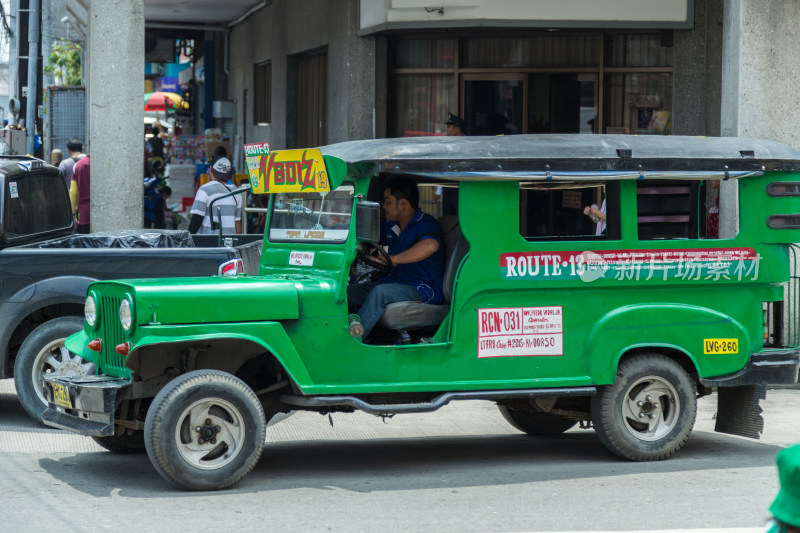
[[535, 423], [43, 352], [205, 430], [122, 444], [648, 413]]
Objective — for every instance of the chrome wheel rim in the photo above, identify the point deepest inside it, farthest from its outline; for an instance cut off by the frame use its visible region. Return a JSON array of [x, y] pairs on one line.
[[210, 433], [650, 408], [54, 358]]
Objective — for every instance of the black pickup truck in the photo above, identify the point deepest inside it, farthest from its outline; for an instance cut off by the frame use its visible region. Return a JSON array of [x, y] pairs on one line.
[[45, 269]]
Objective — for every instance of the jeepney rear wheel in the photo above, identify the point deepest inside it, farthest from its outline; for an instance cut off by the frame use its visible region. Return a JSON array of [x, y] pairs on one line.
[[649, 411], [124, 443], [533, 422], [43, 352], [205, 430]]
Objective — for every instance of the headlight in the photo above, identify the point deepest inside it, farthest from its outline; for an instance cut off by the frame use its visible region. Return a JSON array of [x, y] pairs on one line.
[[125, 315], [90, 311]]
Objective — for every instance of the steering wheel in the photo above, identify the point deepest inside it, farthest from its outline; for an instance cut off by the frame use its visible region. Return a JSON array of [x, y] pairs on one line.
[[375, 256]]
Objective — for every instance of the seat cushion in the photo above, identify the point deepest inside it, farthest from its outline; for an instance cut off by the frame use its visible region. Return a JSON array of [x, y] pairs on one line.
[[412, 315]]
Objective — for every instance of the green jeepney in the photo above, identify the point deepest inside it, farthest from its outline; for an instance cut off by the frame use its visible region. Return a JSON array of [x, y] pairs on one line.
[[558, 321]]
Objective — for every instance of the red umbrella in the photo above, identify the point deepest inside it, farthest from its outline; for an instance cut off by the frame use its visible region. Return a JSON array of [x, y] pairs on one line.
[[161, 101]]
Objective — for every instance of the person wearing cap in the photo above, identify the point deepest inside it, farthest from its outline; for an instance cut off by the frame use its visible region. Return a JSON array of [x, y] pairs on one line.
[[456, 127], [226, 210], [786, 507]]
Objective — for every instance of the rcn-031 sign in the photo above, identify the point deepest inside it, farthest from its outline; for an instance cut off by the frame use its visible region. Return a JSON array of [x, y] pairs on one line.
[[520, 331], [285, 171]]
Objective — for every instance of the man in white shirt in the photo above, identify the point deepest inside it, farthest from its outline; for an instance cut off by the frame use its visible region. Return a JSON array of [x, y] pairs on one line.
[[226, 211]]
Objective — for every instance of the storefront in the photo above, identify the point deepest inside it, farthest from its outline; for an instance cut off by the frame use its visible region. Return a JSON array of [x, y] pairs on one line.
[[540, 81]]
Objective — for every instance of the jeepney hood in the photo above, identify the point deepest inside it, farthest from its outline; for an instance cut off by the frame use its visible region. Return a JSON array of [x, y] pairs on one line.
[[201, 300]]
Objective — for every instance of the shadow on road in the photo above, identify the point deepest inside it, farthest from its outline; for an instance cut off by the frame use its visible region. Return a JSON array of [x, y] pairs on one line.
[[411, 464]]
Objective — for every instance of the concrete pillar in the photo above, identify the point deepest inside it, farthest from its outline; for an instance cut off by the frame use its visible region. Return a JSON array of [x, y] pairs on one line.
[[116, 113], [351, 77], [759, 80]]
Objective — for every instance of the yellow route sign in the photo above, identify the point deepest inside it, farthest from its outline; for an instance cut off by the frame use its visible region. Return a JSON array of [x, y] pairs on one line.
[[285, 171]]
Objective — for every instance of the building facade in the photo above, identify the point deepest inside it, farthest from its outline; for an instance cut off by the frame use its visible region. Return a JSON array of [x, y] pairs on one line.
[[307, 72]]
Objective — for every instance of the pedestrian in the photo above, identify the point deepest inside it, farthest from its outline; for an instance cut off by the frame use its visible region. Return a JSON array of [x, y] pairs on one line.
[[79, 193], [226, 210], [75, 149], [786, 507], [157, 157]]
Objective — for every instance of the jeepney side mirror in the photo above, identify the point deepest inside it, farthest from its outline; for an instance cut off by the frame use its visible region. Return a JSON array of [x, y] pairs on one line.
[[368, 221]]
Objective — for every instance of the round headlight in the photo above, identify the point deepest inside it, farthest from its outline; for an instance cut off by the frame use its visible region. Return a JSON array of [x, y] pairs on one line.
[[125, 315], [90, 311]]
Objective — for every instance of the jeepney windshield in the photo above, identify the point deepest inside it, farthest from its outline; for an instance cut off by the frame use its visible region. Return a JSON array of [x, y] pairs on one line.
[[311, 216]]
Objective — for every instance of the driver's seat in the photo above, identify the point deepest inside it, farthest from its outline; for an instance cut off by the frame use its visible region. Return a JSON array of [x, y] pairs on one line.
[[416, 315]]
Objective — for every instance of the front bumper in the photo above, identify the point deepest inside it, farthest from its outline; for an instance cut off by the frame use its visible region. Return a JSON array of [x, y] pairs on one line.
[[774, 367], [83, 405]]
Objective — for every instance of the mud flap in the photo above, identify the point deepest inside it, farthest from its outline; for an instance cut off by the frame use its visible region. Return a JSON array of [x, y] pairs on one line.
[[739, 411]]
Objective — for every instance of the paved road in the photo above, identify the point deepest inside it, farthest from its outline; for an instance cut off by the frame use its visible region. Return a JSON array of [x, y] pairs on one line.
[[461, 469]]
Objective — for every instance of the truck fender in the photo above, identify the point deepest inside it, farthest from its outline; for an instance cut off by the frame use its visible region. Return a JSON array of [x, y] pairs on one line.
[[671, 326], [279, 344], [43, 293]]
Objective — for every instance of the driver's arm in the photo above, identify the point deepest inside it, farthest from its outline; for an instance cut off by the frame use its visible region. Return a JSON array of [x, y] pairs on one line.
[[420, 251]]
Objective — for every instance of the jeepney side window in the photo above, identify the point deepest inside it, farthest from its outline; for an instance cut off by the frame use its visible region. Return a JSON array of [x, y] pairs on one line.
[[311, 217], [555, 210], [675, 209]]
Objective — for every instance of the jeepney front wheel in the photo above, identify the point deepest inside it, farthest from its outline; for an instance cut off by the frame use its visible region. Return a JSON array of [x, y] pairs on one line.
[[205, 430], [649, 411]]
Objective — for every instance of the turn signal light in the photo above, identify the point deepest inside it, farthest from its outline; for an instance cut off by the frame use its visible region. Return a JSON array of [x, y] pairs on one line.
[[96, 345], [123, 349]]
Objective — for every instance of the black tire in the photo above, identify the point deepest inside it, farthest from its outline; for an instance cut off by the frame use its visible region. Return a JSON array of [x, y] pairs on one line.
[[533, 422], [126, 443], [648, 413], [231, 424], [43, 352]]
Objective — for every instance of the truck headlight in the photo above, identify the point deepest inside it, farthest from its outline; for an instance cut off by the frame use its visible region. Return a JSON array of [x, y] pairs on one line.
[[126, 315], [90, 311]]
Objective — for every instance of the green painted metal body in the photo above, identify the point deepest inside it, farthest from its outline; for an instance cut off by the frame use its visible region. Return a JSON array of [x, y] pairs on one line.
[[299, 314]]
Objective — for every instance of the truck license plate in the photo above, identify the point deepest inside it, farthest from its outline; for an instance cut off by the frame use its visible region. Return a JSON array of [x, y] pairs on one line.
[[61, 395]]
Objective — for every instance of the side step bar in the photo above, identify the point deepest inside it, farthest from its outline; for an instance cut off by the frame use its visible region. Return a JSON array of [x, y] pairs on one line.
[[427, 407]]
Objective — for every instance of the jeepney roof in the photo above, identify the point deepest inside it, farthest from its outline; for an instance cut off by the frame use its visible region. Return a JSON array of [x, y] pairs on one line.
[[566, 156]]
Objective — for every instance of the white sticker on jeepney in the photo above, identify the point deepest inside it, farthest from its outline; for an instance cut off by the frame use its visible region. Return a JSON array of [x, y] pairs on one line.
[[520, 331], [13, 190], [301, 258]]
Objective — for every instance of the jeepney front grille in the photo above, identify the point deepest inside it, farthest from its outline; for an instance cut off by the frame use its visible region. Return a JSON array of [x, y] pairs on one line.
[[112, 332]]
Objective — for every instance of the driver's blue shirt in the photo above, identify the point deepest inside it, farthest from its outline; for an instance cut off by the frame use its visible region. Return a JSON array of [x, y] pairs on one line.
[[426, 275]]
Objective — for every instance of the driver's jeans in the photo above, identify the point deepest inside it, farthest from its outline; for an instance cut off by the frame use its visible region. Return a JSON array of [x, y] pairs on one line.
[[372, 299]]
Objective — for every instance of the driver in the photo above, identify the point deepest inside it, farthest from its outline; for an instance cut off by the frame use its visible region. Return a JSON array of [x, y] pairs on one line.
[[415, 251]]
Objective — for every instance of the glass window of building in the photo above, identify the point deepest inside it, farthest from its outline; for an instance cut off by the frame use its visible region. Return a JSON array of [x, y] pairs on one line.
[[539, 82]]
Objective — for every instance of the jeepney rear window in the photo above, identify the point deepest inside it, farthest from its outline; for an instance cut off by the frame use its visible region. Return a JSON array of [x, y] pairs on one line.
[[555, 210], [312, 217]]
